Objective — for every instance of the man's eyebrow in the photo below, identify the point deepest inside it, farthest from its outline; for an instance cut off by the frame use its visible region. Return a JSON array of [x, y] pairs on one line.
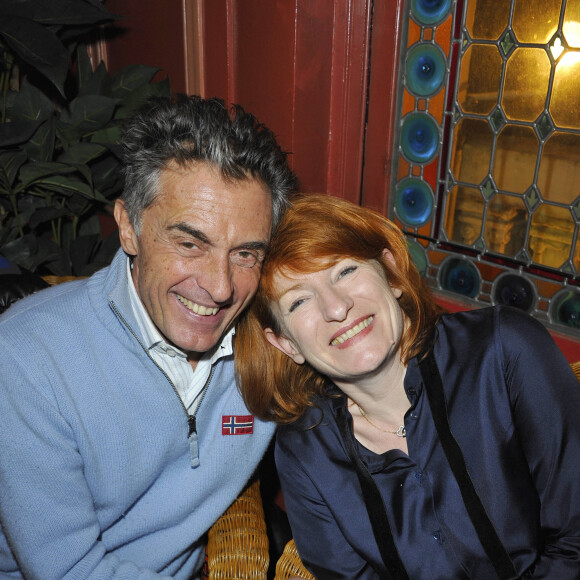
[[263, 246], [187, 229], [199, 235]]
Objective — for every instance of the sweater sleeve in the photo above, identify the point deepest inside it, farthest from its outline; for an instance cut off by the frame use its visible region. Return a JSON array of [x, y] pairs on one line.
[[47, 512], [545, 397], [321, 545]]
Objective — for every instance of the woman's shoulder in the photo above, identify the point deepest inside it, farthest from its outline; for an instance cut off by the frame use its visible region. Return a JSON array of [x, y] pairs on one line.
[[490, 320], [316, 421]]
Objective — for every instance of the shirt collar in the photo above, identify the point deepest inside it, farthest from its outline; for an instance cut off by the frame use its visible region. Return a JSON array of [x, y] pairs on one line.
[[152, 338]]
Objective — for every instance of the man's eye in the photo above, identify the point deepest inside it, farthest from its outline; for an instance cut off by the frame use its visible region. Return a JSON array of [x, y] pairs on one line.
[[245, 259], [188, 245]]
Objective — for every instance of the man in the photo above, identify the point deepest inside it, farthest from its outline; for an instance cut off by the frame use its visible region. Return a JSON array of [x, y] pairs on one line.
[[122, 434]]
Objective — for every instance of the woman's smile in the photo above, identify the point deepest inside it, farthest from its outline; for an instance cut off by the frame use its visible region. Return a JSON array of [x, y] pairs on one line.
[[353, 331]]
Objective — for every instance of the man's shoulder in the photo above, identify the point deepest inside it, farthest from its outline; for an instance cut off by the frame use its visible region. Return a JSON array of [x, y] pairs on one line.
[[53, 311]]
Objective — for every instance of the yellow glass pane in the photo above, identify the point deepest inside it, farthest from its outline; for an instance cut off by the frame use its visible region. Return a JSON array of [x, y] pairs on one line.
[[564, 104], [487, 19], [526, 84], [471, 152], [559, 173], [536, 20], [464, 215], [515, 158], [550, 239], [571, 27], [505, 225], [479, 79]]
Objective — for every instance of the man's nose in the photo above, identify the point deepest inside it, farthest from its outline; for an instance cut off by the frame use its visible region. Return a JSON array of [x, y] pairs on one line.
[[335, 305], [216, 279]]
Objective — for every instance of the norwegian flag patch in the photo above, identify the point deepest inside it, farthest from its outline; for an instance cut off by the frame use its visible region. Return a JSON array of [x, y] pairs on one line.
[[237, 424]]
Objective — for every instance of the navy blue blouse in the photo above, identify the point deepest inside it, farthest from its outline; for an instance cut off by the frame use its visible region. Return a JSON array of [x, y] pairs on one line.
[[514, 408]]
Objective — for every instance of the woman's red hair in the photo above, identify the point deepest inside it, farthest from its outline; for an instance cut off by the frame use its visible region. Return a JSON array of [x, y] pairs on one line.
[[315, 233]]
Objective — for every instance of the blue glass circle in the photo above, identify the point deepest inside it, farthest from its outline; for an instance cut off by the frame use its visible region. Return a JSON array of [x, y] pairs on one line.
[[414, 201], [430, 12], [418, 256], [460, 277], [419, 137], [566, 308], [425, 69], [514, 290]]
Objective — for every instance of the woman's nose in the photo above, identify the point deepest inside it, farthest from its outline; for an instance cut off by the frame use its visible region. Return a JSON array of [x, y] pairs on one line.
[[335, 304]]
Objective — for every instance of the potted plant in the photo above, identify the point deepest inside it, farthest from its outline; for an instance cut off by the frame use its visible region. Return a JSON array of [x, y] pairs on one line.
[[59, 125]]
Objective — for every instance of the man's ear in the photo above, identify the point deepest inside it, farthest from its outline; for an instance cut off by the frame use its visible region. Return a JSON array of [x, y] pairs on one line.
[[284, 345], [388, 256], [127, 235]]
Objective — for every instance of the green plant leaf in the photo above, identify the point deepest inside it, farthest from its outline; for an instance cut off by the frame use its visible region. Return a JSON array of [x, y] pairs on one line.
[[40, 147], [131, 77], [30, 252], [135, 99], [37, 46], [108, 136], [17, 132], [10, 163], [33, 172], [46, 214], [67, 134], [107, 176], [67, 185], [90, 113], [31, 104], [82, 153], [69, 12], [97, 82]]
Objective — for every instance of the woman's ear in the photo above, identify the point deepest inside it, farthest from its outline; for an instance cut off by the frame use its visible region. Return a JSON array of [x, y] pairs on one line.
[[284, 345], [388, 256]]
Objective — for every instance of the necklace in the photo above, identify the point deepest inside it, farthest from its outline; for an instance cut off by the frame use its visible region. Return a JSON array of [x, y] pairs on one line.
[[400, 432]]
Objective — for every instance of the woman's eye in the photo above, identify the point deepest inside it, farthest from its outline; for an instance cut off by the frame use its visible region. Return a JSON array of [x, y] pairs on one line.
[[295, 304], [347, 270]]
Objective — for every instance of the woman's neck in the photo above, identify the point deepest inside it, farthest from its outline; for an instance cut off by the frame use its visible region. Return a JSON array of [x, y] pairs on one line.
[[381, 396]]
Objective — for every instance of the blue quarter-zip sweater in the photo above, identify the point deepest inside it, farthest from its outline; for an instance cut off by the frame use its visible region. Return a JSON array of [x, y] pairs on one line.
[[96, 475]]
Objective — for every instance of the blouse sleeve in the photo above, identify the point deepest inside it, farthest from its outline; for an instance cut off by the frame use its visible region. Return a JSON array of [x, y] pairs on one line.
[[319, 540], [545, 397]]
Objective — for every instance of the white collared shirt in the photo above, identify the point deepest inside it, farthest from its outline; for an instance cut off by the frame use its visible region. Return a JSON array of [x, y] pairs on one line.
[[188, 382]]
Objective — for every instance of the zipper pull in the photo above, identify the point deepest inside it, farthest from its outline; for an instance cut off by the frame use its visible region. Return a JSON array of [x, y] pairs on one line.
[[193, 444]]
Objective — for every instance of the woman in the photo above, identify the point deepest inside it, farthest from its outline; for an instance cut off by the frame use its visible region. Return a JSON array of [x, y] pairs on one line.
[[413, 444]]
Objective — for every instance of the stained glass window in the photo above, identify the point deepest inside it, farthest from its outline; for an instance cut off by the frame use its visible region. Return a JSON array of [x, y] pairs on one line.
[[487, 160]]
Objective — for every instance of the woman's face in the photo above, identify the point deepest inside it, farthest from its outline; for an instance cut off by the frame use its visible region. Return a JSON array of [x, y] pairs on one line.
[[344, 320]]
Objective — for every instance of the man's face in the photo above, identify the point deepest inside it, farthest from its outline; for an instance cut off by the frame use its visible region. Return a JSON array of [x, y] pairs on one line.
[[198, 257]]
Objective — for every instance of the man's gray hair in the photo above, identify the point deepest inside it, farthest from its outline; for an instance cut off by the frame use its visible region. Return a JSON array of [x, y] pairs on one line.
[[190, 129]]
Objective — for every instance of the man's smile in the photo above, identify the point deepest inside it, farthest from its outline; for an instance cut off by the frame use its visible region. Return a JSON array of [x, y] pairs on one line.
[[198, 308]]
